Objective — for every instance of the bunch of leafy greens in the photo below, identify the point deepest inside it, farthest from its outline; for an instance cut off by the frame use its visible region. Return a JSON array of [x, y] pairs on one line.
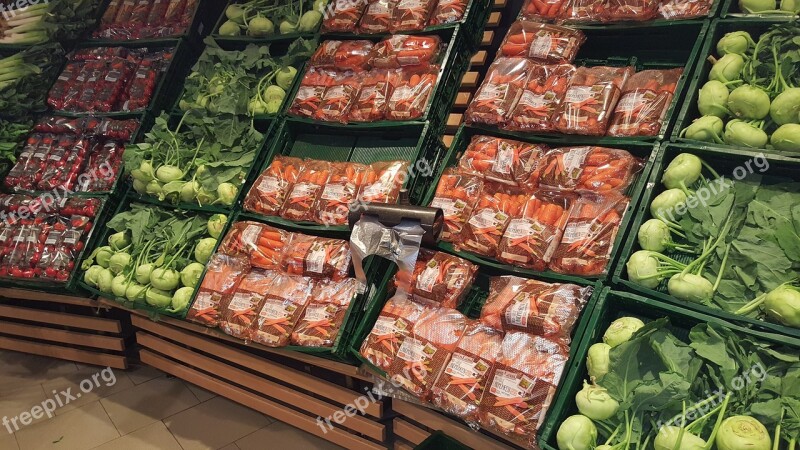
[[26, 77], [775, 64], [12, 134], [51, 20], [202, 160]]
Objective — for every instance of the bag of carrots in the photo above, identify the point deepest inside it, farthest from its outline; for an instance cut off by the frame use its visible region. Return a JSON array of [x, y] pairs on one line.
[[411, 96], [223, 274], [310, 92], [644, 103], [521, 386], [543, 93], [339, 97], [263, 244], [632, 10], [589, 235], [390, 330], [498, 95], [496, 207], [352, 55], [239, 311], [402, 50], [440, 279], [376, 89], [460, 387], [529, 241], [456, 195], [303, 195], [585, 11], [425, 353], [344, 15], [323, 57], [684, 9], [410, 15], [448, 11], [269, 191], [324, 315], [504, 160], [383, 182], [542, 42], [317, 257], [377, 17], [596, 169], [341, 189], [590, 100], [284, 303], [542, 10]]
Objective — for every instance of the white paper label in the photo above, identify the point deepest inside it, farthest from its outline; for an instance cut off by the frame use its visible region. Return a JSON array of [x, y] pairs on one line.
[[427, 279], [574, 159], [507, 384], [519, 228], [462, 366], [575, 232], [337, 192], [413, 350], [203, 301], [402, 93], [449, 207], [533, 100], [269, 185], [504, 159], [250, 235], [487, 218], [301, 190], [492, 92], [242, 301], [631, 101], [577, 94], [518, 310], [541, 46], [316, 313], [275, 309], [315, 260]]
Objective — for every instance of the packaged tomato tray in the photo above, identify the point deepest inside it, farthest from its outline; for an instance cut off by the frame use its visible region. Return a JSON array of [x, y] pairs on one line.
[[125, 20], [71, 154], [42, 237], [109, 79], [385, 16]]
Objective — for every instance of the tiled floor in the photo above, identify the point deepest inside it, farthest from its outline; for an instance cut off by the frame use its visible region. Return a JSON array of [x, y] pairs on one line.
[[138, 409]]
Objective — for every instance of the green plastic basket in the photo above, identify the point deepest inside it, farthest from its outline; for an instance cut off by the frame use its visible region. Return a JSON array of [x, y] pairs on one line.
[[610, 306], [689, 110], [644, 150], [275, 37], [440, 441], [724, 161], [413, 143], [730, 10]]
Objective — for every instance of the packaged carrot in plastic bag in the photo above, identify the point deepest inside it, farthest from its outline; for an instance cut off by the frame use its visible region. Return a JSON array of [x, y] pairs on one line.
[[344, 15], [302, 197], [504, 160], [239, 312], [377, 16], [684, 9], [440, 279], [585, 11], [644, 103], [495, 209], [590, 100], [500, 91], [597, 169], [409, 15], [543, 93], [457, 194], [324, 315], [263, 244], [284, 303], [632, 10], [448, 11], [317, 257], [426, 352], [352, 55], [542, 10], [373, 95], [529, 241], [541, 42], [340, 190], [501, 291], [521, 386], [269, 191], [324, 56], [589, 235], [411, 96], [223, 274], [338, 98], [392, 327], [402, 50], [383, 182], [310, 92], [460, 387]]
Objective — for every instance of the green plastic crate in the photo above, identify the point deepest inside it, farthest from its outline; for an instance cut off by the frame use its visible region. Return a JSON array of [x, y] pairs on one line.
[[730, 10], [723, 161], [454, 62], [440, 441], [275, 37], [689, 110], [610, 306], [414, 143], [641, 46], [643, 150]]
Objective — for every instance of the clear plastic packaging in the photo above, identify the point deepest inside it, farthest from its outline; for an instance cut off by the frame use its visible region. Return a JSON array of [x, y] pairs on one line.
[[310, 92], [410, 15], [543, 93], [317, 257], [324, 315], [240, 309], [339, 97], [541, 42], [504, 160], [500, 91], [410, 98], [283, 304], [643, 105], [223, 275], [341, 189], [543, 10], [303, 195], [596, 169], [390, 330], [590, 100], [448, 11], [440, 279], [344, 16], [373, 96], [377, 17], [270, 189], [383, 182], [402, 50], [457, 194], [495, 209], [262, 244]]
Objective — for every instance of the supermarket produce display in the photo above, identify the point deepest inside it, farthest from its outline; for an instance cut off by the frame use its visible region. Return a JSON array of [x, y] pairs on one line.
[[619, 257]]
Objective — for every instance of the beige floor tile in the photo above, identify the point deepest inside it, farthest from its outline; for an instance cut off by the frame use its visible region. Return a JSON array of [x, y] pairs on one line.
[[8, 441], [19, 370], [230, 447], [118, 382], [143, 374], [201, 394], [151, 437], [214, 424], [14, 403], [148, 402], [81, 429], [285, 437]]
